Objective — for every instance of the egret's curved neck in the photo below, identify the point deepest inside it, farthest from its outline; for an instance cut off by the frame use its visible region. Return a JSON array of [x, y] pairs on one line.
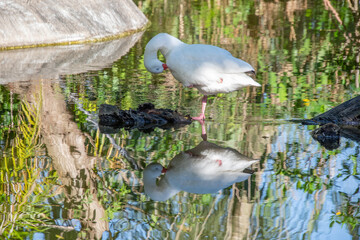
[[163, 42]]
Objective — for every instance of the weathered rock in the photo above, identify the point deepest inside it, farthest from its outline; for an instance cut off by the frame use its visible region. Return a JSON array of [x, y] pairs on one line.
[[41, 22], [145, 118]]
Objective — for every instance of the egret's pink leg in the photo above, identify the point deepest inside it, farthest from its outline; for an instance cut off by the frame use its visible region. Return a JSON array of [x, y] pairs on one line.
[[203, 106]]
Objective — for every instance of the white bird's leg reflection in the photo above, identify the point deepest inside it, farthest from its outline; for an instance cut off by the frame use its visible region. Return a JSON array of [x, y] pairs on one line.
[[203, 130]]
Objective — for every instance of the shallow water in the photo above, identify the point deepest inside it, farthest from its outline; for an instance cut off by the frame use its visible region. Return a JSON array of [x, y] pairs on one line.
[[61, 178]]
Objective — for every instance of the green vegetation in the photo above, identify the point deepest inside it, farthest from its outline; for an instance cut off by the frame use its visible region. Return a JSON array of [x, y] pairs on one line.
[[25, 184], [307, 60]]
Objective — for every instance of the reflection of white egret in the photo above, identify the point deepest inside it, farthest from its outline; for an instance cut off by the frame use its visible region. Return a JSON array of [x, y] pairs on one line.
[[210, 69], [207, 168]]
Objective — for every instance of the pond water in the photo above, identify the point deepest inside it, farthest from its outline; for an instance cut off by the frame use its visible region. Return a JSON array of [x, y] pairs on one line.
[[63, 178]]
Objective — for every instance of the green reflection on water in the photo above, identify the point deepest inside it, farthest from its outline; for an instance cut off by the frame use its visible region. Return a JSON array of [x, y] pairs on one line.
[[27, 179], [307, 62]]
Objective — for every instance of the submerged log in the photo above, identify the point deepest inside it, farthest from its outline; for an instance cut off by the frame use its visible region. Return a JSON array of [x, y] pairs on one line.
[[342, 120], [347, 113], [145, 118], [328, 135]]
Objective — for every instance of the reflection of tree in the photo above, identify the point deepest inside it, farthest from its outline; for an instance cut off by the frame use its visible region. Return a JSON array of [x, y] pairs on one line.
[[348, 211], [65, 144], [302, 190], [22, 196], [348, 214], [79, 198]]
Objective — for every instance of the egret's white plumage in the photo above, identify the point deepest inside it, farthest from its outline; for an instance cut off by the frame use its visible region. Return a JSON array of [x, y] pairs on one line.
[[209, 68]]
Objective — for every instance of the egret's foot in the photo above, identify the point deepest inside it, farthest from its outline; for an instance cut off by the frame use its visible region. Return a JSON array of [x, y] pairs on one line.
[[204, 137], [201, 117], [190, 153]]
